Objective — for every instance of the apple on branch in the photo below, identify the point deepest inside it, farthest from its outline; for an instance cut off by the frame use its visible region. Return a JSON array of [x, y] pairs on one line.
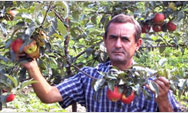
[[32, 50], [16, 44], [159, 18], [13, 12], [128, 99], [10, 97], [157, 28], [36, 54], [171, 26], [146, 28], [9, 16], [114, 95]]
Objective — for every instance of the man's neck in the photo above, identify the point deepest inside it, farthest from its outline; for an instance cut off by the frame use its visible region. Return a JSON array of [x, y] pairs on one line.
[[125, 66]]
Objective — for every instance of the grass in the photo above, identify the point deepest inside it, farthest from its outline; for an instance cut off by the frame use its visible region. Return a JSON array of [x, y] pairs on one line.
[[29, 102]]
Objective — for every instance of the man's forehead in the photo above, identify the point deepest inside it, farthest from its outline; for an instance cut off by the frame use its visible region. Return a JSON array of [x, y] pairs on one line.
[[122, 27]]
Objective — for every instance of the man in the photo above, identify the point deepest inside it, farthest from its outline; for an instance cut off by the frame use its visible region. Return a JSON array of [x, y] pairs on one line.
[[122, 39]]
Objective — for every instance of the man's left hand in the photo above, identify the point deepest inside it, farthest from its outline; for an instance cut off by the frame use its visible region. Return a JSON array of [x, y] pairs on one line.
[[162, 99], [163, 86]]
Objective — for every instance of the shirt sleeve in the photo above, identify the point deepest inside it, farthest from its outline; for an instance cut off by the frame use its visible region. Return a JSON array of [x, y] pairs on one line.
[[72, 90], [175, 105]]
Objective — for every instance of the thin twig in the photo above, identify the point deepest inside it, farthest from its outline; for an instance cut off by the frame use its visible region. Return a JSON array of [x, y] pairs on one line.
[[60, 18], [180, 45], [46, 13], [84, 72]]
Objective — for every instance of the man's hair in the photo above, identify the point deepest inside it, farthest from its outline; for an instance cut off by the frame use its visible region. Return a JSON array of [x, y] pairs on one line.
[[122, 18]]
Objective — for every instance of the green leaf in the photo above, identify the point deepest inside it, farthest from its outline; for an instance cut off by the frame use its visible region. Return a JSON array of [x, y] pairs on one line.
[[153, 86], [111, 84], [61, 27], [3, 58], [93, 19], [162, 61], [89, 51], [161, 49], [75, 15], [186, 9], [98, 84], [15, 82], [27, 83], [3, 29], [147, 94]]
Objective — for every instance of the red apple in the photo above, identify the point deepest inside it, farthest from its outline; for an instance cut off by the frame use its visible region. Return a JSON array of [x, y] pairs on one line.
[[159, 18], [10, 97], [35, 54], [157, 28], [145, 28], [16, 44], [13, 12], [129, 99], [171, 26], [31, 48], [114, 95], [4, 90], [9, 16]]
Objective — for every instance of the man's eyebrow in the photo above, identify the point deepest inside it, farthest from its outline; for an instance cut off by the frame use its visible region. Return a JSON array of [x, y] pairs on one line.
[[112, 35]]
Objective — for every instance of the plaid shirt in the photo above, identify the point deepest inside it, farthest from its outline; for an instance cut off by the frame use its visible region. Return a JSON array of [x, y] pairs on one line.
[[78, 89]]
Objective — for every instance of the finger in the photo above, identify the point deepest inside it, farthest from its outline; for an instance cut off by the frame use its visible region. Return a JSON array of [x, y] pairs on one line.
[[148, 87], [160, 84], [162, 87], [21, 55], [165, 81]]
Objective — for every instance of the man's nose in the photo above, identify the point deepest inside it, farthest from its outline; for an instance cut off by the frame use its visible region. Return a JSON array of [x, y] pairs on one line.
[[118, 43]]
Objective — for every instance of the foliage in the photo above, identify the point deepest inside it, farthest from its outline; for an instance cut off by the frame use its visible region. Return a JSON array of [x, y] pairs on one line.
[[27, 101], [70, 35]]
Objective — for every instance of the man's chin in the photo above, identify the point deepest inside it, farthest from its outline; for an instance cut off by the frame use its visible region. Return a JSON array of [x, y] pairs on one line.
[[119, 61]]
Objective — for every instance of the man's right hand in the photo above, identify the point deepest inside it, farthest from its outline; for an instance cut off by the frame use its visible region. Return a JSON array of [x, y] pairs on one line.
[[26, 61], [46, 92], [30, 65]]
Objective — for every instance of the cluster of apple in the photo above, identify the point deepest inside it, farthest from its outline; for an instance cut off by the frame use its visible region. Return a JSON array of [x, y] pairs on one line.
[[159, 24], [116, 95], [32, 50]]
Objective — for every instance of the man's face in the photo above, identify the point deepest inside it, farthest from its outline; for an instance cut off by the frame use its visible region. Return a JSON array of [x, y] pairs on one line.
[[120, 43]]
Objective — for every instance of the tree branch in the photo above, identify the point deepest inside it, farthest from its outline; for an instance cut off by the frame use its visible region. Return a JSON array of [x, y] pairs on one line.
[[180, 45], [46, 13], [84, 72], [60, 18]]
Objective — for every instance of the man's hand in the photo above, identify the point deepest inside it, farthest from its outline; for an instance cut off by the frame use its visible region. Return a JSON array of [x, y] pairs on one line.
[[164, 86], [26, 61], [162, 99], [46, 92]]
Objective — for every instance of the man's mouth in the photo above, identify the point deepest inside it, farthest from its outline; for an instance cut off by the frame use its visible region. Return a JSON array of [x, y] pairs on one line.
[[118, 52]]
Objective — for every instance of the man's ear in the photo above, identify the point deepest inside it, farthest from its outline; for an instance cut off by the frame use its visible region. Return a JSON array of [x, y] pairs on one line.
[[139, 43]]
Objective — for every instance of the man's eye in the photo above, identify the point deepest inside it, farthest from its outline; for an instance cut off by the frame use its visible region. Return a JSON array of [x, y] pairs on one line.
[[125, 39], [113, 37]]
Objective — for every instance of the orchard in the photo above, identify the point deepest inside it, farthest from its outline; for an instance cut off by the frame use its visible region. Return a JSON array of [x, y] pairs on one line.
[[64, 36]]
